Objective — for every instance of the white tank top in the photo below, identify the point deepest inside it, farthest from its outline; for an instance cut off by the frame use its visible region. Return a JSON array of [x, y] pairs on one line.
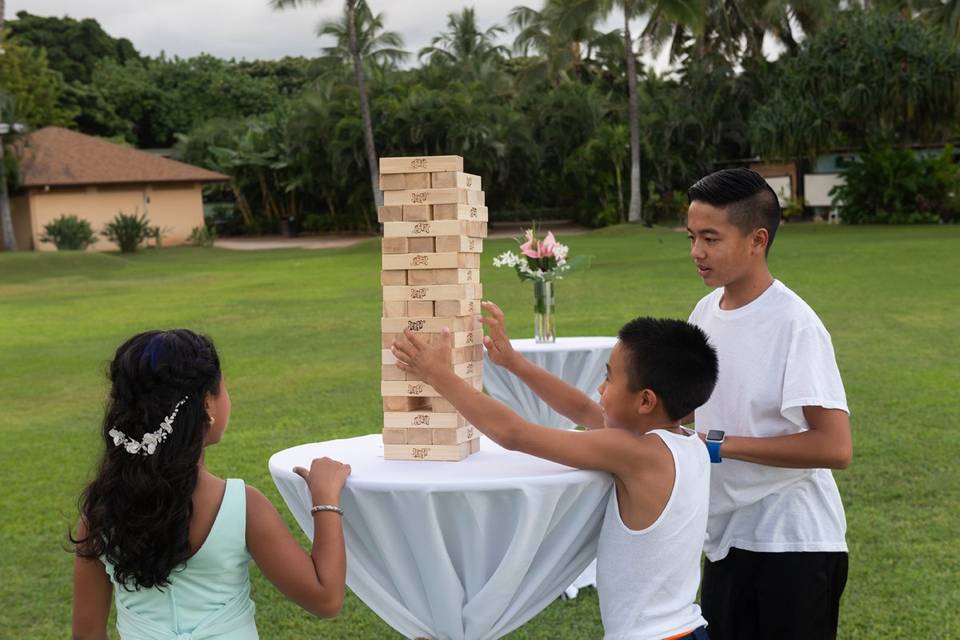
[[647, 580]]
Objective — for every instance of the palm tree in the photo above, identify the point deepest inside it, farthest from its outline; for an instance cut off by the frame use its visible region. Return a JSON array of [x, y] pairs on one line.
[[353, 12], [463, 42], [377, 47], [559, 32], [6, 220]]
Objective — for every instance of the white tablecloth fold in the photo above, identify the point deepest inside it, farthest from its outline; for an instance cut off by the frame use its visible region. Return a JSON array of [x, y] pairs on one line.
[[456, 550]]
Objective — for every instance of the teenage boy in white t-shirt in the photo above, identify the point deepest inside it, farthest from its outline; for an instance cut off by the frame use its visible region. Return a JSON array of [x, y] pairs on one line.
[[776, 424]]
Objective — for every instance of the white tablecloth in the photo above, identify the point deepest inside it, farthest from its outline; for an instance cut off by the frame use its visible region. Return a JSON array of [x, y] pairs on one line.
[[455, 550], [578, 361]]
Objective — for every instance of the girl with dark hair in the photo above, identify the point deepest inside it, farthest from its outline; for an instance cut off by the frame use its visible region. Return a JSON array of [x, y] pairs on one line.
[[170, 540]]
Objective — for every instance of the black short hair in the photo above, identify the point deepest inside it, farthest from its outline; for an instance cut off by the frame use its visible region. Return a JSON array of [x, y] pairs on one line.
[[674, 359], [747, 198]]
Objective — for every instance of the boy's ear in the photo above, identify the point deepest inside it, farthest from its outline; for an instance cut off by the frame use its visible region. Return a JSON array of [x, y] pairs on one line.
[[646, 401], [760, 240]]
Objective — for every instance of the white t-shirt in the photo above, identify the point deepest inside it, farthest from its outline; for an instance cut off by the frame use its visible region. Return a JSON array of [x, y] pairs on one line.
[[775, 358]]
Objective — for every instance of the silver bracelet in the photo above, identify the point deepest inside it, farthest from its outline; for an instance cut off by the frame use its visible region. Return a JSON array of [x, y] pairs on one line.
[[325, 507]]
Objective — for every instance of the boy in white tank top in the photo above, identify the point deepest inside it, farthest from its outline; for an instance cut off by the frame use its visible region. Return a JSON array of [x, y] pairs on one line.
[[648, 558]]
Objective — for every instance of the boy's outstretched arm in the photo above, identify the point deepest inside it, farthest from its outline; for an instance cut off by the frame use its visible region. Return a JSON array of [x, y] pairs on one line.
[[612, 450], [562, 397]]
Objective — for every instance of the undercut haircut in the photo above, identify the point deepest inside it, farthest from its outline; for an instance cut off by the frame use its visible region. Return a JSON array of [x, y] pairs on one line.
[[674, 359], [747, 198]]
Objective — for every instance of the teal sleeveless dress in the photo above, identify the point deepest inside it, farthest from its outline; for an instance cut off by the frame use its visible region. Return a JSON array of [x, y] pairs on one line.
[[208, 599]]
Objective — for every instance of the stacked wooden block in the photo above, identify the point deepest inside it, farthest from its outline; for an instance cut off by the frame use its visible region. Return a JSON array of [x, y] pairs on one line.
[[434, 221]]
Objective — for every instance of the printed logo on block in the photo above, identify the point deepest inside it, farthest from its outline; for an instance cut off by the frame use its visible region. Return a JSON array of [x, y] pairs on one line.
[[418, 294], [422, 418], [420, 261], [470, 307], [470, 364], [420, 452], [470, 338], [421, 227], [418, 163], [470, 181], [416, 325], [414, 388], [472, 244], [469, 432], [473, 213], [418, 197], [470, 276]]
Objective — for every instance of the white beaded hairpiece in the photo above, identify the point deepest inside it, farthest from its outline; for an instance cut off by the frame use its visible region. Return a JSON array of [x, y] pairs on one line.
[[148, 444]]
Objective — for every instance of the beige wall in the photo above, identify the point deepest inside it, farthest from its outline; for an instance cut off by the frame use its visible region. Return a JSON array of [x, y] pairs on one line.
[[175, 208], [20, 214]]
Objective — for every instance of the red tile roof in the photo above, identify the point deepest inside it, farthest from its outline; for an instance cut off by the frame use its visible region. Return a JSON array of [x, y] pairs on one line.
[[55, 156]]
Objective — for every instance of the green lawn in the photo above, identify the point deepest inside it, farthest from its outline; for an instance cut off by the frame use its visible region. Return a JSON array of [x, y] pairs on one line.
[[298, 335]]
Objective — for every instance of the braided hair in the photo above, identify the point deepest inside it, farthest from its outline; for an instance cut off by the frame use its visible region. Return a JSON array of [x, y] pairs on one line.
[[137, 510]]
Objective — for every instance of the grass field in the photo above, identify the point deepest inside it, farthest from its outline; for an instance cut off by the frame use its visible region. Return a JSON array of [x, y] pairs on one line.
[[298, 335]]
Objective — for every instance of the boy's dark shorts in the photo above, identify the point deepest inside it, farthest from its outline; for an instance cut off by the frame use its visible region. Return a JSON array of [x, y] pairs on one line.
[[750, 595]]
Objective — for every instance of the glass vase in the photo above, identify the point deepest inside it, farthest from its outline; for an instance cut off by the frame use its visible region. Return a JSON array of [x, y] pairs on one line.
[[544, 322]]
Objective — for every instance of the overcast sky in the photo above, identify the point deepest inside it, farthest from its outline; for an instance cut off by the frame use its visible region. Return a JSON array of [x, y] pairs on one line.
[[250, 29]]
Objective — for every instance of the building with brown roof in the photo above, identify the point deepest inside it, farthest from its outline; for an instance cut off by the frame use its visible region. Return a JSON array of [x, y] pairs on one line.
[[65, 172]]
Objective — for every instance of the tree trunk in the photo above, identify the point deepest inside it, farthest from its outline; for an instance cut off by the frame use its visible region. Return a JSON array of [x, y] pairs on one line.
[[6, 220], [364, 103], [635, 212]]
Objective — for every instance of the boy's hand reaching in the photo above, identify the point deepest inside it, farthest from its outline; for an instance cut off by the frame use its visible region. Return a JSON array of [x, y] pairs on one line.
[[496, 341], [424, 361]]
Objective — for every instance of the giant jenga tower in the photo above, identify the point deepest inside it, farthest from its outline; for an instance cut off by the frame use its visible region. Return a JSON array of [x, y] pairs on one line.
[[434, 223]]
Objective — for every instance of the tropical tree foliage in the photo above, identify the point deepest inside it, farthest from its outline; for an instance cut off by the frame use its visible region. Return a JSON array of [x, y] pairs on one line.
[[559, 116]]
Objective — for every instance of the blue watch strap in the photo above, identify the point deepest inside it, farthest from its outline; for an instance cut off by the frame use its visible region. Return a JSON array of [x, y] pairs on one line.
[[713, 448]]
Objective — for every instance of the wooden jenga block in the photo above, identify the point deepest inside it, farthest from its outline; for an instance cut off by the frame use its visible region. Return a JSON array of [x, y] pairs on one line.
[[390, 214], [459, 355], [396, 388], [468, 369], [421, 245], [435, 292], [393, 182], [475, 445], [392, 373], [395, 308], [475, 213], [455, 276], [460, 338], [459, 244], [418, 435], [433, 196], [433, 228], [394, 436], [405, 403], [429, 453], [417, 212], [397, 277], [454, 179], [450, 260], [432, 419], [451, 308], [422, 276], [394, 245], [452, 436], [420, 309], [421, 164], [418, 180], [429, 325]]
